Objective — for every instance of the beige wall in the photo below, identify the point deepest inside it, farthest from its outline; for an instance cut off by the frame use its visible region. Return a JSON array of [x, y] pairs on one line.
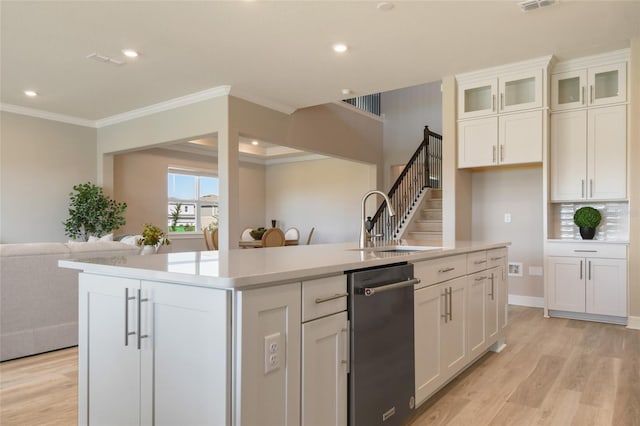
[[40, 161], [634, 179], [518, 192], [406, 112], [324, 194], [141, 181]]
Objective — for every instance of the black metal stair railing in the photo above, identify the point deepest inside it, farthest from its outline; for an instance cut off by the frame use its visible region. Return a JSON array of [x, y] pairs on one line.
[[424, 170]]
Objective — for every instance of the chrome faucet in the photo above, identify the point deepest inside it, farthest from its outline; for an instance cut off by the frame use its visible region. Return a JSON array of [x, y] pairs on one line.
[[363, 229]]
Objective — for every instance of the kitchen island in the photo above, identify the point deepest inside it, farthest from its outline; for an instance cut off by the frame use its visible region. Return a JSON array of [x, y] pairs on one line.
[[260, 337]]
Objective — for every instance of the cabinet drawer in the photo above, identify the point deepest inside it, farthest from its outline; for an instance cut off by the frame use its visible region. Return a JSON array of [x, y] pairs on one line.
[[437, 270], [612, 251], [476, 261], [323, 297], [496, 257]]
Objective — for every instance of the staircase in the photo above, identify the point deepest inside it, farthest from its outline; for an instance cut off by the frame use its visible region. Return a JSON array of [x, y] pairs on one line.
[[416, 196], [426, 223]]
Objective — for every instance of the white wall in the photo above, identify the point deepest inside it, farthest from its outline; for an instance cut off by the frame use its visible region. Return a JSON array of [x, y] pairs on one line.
[[324, 194], [40, 161], [406, 112], [518, 192]]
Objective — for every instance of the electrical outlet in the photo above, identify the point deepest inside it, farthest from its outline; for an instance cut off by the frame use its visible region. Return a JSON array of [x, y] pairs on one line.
[[507, 218], [272, 352]]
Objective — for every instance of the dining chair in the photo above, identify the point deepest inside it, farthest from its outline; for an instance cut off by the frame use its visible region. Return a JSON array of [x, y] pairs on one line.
[[273, 237], [292, 234], [214, 239], [246, 234], [208, 240], [310, 235]]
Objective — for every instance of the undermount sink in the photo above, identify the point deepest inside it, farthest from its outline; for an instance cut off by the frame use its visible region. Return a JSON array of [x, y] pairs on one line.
[[398, 249]]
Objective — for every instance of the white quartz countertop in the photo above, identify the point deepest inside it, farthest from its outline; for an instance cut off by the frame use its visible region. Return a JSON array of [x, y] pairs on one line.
[[242, 268]]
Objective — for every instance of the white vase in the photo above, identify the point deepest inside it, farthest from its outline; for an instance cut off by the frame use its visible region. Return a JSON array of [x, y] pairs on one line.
[[148, 250]]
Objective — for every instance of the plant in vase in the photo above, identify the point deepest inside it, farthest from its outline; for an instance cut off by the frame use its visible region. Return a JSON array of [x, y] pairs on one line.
[[587, 219], [152, 238]]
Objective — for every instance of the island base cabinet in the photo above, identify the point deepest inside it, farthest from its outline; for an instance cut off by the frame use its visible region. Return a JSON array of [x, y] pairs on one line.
[[325, 358], [146, 351]]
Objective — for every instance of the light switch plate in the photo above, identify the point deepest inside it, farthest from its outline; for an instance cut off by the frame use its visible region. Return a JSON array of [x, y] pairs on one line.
[[272, 352]]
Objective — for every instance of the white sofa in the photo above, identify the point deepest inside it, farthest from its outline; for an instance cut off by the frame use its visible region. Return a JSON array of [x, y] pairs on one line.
[[39, 300]]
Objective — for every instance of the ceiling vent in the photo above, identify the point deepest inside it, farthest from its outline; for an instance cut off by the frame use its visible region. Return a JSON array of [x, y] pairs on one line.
[[101, 58], [529, 5]]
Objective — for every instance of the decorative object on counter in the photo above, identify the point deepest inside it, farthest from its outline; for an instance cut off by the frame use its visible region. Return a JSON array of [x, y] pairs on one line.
[[273, 223], [273, 237], [256, 234], [152, 238], [292, 234], [587, 219], [91, 213]]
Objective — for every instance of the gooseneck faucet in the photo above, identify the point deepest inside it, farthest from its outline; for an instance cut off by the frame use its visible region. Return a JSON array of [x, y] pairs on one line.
[[363, 229]]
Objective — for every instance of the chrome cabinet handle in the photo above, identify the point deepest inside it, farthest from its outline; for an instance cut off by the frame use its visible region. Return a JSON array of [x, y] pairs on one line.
[[479, 262], [582, 183], [496, 258], [501, 101], [494, 154], [585, 251], [446, 304], [492, 289], [501, 150], [481, 278], [450, 304], [493, 103], [449, 269], [581, 269], [589, 270], [591, 94], [590, 188], [127, 333], [370, 291], [347, 350], [582, 95], [140, 335], [334, 297]]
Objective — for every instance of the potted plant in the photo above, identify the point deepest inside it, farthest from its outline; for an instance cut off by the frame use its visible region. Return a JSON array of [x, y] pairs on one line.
[[91, 213], [152, 238], [587, 219]]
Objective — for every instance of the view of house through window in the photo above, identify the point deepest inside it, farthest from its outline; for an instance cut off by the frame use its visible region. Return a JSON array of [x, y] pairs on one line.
[[193, 200]]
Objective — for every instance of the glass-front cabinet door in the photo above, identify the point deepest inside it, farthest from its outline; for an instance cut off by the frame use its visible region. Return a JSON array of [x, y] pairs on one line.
[[568, 90], [520, 91], [607, 84], [477, 99]]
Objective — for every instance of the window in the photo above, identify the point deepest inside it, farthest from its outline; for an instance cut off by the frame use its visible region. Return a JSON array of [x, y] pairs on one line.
[[193, 200]]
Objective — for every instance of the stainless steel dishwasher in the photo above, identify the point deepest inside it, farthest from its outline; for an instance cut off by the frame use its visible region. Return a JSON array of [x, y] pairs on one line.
[[382, 379]]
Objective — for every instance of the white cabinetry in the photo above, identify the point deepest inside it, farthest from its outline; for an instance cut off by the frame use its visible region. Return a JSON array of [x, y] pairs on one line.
[[325, 352], [589, 154], [593, 86], [501, 116], [587, 279], [145, 352], [476, 311]]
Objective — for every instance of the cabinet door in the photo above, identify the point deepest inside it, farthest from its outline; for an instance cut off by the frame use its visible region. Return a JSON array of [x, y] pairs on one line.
[[477, 99], [568, 90], [454, 334], [520, 91], [503, 296], [185, 356], [568, 155], [607, 153], [607, 287], [492, 296], [607, 84], [109, 361], [566, 285], [520, 138], [324, 371], [476, 315], [429, 304], [477, 140]]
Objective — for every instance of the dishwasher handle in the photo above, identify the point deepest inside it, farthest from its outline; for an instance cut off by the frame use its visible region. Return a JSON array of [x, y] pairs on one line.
[[370, 291]]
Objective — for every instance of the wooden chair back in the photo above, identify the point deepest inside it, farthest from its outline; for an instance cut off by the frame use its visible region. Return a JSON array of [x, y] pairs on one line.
[[273, 237], [214, 238], [211, 238], [310, 235]]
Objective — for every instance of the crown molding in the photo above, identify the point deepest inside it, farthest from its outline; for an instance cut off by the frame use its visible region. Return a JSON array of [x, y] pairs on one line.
[[192, 98], [621, 55], [286, 109], [38, 113], [469, 77]]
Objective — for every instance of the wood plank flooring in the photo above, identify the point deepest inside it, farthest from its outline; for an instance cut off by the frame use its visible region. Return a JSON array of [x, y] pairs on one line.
[[554, 372]]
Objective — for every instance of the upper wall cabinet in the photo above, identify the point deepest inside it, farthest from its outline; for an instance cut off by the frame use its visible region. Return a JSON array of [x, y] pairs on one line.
[[589, 82], [501, 118]]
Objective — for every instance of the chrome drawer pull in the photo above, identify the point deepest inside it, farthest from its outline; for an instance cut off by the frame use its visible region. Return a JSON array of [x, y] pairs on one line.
[[370, 291], [140, 336], [479, 262], [586, 251], [496, 258], [127, 333], [481, 278], [334, 297], [449, 269]]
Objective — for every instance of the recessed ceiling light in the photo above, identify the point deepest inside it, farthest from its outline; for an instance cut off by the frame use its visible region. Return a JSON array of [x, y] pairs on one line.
[[130, 53], [346, 92], [30, 93], [254, 142], [340, 47], [385, 6]]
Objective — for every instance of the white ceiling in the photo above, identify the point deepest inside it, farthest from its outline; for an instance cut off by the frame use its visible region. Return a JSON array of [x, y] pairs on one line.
[[277, 52]]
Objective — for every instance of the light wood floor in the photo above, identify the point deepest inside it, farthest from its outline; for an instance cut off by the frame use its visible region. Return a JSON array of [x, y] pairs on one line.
[[553, 372]]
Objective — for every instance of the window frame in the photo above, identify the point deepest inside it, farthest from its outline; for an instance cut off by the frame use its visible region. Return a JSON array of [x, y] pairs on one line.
[[198, 174]]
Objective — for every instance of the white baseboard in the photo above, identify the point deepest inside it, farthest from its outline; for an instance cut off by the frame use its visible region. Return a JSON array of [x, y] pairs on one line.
[[633, 322], [532, 302]]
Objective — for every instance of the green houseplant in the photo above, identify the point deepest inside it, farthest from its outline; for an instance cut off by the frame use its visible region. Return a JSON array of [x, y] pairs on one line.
[[152, 237], [92, 213], [587, 219]]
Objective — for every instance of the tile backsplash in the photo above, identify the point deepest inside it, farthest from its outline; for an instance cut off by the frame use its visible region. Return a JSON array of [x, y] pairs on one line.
[[613, 227]]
